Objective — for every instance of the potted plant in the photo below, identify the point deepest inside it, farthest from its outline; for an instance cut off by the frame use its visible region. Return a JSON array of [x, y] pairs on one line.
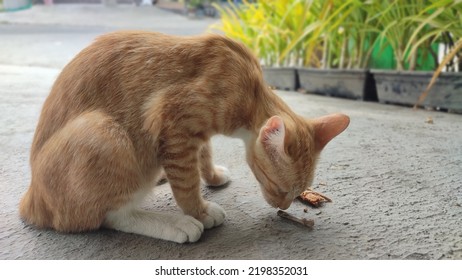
[[327, 40], [446, 90], [346, 38], [305, 39], [412, 29], [263, 27]]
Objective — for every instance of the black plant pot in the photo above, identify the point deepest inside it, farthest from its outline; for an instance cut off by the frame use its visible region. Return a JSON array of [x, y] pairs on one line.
[[281, 77], [405, 87], [346, 83]]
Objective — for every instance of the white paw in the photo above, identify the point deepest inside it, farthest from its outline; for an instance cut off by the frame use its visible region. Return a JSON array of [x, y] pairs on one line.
[[215, 215], [167, 226], [222, 176], [224, 173], [187, 229]]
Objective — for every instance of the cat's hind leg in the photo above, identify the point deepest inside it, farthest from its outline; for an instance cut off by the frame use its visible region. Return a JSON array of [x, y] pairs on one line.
[[167, 226], [85, 169], [213, 175]]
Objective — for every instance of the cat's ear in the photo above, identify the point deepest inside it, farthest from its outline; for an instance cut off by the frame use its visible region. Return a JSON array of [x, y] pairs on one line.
[[272, 134], [327, 127]]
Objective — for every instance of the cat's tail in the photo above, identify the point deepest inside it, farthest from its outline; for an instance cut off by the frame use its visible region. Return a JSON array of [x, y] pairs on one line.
[[33, 210]]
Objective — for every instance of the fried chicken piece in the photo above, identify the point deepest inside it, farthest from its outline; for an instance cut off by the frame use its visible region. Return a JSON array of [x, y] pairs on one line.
[[313, 198]]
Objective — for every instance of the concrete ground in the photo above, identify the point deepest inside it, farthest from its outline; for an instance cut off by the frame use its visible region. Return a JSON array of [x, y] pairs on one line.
[[395, 179]]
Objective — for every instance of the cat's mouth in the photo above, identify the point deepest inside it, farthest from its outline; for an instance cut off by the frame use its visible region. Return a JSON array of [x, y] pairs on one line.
[[285, 203], [272, 194], [280, 204]]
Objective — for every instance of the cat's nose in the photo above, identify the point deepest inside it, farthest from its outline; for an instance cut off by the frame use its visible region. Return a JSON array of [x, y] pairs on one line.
[[283, 205]]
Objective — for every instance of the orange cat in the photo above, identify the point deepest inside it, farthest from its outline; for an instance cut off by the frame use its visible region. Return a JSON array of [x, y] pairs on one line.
[[134, 103]]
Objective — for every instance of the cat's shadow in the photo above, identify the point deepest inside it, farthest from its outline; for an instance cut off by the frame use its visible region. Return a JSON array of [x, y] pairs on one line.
[[218, 188], [212, 188]]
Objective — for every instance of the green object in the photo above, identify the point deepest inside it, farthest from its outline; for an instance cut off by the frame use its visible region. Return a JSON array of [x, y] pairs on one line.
[[14, 5], [345, 34], [383, 58]]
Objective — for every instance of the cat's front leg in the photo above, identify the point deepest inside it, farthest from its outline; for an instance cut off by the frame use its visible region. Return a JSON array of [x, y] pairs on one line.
[[213, 175], [182, 170]]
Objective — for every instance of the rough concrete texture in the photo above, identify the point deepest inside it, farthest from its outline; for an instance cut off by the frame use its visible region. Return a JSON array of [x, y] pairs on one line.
[[395, 181]]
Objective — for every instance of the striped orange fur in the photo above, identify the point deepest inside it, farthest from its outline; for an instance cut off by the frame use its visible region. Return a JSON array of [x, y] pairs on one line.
[[135, 104]]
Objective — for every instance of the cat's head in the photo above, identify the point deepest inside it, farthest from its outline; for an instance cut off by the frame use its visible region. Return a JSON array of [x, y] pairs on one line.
[[284, 155]]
